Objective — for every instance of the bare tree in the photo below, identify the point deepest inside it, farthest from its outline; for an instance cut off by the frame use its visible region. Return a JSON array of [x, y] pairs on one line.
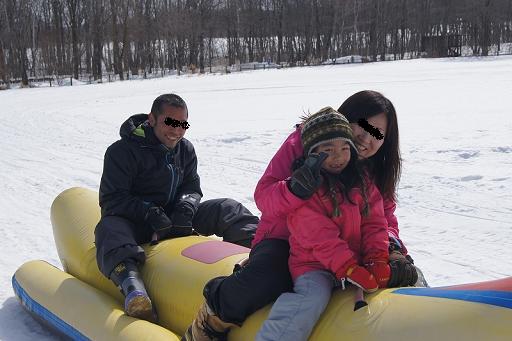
[[119, 10], [74, 12], [97, 27], [5, 39], [62, 37], [18, 15]]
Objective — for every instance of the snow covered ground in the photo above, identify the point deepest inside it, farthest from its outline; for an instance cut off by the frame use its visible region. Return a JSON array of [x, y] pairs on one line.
[[455, 208]]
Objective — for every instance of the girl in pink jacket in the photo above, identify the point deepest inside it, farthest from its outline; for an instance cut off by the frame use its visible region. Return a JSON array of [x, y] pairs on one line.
[[339, 234]]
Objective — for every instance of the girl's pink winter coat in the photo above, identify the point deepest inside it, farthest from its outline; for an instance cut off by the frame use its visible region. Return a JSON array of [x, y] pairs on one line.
[[275, 201], [319, 241]]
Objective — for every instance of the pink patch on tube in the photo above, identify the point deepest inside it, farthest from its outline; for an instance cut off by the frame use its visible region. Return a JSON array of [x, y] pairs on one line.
[[213, 251]]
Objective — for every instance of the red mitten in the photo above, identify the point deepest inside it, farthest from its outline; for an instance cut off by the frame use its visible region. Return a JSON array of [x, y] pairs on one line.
[[380, 270], [360, 277]]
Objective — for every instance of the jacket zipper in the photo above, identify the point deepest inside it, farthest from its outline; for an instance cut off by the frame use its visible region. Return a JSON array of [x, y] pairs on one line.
[[173, 180]]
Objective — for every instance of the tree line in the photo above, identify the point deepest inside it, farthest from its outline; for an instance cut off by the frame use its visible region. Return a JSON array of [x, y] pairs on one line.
[[90, 38]]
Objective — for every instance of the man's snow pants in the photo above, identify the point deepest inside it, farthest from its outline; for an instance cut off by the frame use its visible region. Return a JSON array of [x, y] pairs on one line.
[[118, 238]]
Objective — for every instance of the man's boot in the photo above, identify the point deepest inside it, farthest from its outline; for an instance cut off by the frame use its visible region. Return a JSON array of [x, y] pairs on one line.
[[137, 302], [207, 326]]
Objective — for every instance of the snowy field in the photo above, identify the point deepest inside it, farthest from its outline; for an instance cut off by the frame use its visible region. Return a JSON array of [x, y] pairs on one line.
[[455, 206]]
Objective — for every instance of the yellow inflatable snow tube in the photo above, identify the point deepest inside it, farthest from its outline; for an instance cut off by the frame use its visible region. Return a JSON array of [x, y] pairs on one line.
[[177, 269], [78, 310]]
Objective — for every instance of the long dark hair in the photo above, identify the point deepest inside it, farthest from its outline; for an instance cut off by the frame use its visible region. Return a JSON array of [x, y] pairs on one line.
[[385, 166]]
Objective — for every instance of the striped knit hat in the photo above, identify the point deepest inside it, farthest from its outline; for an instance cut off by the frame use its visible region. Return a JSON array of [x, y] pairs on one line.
[[324, 126]]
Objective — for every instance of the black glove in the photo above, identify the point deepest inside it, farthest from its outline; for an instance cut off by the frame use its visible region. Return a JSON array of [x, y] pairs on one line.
[[306, 179], [394, 245], [162, 226], [157, 219], [403, 271], [184, 211]]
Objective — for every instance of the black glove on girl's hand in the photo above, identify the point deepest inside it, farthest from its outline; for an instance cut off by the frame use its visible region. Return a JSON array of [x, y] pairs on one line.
[[306, 179], [403, 271]]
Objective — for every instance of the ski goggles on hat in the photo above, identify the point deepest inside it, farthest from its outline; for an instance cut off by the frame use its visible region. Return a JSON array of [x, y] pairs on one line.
[[176, 123]]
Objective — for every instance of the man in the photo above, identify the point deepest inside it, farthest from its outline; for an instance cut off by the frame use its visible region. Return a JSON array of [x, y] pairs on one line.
[[150, 191]]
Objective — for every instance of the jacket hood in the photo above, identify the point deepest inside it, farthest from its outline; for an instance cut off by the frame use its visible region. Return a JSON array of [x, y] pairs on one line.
[[137, 128]]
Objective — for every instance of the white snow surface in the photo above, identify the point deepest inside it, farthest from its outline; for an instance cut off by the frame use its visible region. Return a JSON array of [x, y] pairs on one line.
[[455, 206]]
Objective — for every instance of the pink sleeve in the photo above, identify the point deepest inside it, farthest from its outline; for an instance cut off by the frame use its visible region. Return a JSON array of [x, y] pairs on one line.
[[315, 231], [272, 196], [374, 231], [393, 231], [389, 212]]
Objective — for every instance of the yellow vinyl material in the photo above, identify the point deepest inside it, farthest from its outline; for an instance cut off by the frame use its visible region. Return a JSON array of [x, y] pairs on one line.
[[92, 312], [175, 283]]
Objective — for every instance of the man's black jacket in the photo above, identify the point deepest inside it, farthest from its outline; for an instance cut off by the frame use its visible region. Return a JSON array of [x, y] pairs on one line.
[[139, 172]]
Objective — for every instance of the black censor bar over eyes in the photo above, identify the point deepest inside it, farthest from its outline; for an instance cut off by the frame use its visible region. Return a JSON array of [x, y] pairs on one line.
[[370, 129], [176, 123]]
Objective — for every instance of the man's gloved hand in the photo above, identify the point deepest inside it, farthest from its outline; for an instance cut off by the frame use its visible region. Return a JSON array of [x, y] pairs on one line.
[[182, 216], [157, 219], [162, 226], [159, 222], [380, 270], [184, 211], [306, 179], [403, 271]]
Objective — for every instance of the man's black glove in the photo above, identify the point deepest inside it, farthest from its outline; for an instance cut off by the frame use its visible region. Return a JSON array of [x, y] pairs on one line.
[[403, 271], [306, 179], [184, 211], [162, 226]]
